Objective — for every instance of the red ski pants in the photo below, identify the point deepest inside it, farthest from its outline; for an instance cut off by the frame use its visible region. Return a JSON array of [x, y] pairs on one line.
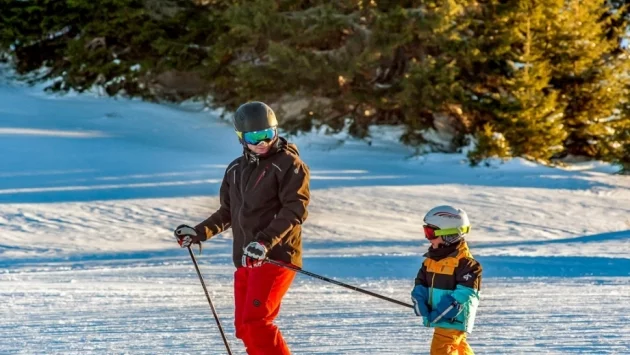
[[258, 293]]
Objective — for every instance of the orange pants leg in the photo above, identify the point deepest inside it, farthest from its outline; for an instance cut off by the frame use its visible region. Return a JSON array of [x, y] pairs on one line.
[[450, 342]]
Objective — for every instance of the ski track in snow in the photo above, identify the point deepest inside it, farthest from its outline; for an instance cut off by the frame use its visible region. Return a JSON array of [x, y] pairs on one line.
[[162, 309], [91, 188]]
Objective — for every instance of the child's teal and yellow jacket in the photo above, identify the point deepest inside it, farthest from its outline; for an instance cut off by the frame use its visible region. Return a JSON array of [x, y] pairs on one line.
[[447, 288]]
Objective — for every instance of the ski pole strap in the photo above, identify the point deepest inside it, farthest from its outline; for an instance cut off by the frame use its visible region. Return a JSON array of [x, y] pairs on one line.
[[323, 278]]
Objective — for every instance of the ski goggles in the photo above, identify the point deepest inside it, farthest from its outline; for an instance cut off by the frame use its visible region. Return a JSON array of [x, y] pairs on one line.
[[256, 137], [433, 232]]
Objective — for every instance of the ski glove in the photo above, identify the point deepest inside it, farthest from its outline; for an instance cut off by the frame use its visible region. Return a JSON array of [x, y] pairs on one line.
[[186, 236], [254, 254], [419, 297], [447, 309]]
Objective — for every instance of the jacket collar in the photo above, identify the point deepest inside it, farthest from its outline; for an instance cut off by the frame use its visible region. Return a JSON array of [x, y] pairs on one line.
[[446, 251], [278, 146]]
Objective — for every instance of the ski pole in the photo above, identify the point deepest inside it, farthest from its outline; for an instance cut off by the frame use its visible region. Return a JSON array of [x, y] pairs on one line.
[[437, 319], [214, 312], [323, 278]]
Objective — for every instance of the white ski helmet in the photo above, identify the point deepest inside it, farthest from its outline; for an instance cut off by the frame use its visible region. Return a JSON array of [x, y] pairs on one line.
[[448, 222]]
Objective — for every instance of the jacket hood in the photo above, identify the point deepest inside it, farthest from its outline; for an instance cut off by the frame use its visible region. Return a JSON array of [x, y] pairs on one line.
[[291, 147]]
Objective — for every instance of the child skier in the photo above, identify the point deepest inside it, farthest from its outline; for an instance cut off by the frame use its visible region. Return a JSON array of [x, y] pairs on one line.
[[446, 292]]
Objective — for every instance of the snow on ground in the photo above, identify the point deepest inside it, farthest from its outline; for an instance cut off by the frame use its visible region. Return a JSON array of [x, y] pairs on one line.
[[158, 308], [91, 188]]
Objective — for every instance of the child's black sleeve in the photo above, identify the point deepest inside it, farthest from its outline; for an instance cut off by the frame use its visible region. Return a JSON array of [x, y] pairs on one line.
[[468, 273], [421, 278]]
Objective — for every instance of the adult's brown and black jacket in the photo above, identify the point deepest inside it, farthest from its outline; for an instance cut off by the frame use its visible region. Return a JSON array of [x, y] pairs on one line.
[[264, 199]]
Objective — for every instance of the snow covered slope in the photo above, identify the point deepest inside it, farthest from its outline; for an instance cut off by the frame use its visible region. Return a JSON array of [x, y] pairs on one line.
[[91, 188]]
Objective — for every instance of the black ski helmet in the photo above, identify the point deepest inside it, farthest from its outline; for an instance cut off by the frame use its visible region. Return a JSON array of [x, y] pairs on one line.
[[254, 116]]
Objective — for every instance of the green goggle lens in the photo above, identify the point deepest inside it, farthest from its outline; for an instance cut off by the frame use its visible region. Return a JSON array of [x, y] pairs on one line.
[[255, 137]]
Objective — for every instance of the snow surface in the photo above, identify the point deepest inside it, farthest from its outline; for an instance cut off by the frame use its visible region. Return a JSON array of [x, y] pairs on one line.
[[91, 188]]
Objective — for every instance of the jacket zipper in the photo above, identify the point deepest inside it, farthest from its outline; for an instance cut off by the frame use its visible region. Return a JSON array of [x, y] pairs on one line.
[[240, 210], [243, 185], [261, 176], [431, 291]]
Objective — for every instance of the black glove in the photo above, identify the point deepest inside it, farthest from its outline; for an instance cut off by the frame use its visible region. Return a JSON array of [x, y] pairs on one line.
[[186, 236], [254, 254]]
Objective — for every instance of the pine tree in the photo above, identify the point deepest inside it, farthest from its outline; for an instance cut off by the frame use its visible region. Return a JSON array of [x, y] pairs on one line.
[[590, 73], [489, 144], [292, 53], [526, 77], [618, 148], [534, 129], [122, 46], [431, 38], [516, 100], [37, 31]]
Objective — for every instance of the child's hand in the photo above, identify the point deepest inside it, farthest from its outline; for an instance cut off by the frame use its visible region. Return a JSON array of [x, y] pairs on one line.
[[447, 309], [419, 297], [420, 307]]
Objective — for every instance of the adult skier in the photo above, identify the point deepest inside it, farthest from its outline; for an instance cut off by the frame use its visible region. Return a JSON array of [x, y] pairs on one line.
[[264, 197]]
